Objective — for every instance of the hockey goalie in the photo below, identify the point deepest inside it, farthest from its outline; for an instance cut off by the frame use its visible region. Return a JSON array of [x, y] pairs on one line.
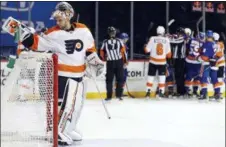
[[74, 45]]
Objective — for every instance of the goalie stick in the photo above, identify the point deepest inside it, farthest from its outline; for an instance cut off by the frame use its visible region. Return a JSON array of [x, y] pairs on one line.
[[102, 100]]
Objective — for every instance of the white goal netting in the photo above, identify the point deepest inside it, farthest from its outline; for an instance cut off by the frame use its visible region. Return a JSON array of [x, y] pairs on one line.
[[29, 102]]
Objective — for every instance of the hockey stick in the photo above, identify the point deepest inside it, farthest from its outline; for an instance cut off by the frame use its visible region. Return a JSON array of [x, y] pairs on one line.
[[223, 36], [78, 17], [171, 22], [197, 25], [201, 72], [128, 91], [102, 100], [150, 26]]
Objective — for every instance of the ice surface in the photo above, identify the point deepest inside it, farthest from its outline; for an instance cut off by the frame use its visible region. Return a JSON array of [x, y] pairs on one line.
[[152, 123]]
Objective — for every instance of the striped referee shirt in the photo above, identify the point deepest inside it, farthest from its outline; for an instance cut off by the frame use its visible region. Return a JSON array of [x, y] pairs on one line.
[[113, 49], [178, 47]]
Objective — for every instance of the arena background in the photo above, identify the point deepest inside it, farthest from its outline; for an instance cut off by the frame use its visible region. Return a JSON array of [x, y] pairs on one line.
[[99, 15]]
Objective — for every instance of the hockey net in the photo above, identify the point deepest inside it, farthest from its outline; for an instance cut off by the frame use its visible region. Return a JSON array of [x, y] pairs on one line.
[[29, 102]]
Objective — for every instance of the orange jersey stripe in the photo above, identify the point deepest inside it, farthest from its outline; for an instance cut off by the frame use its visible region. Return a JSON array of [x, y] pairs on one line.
[[219, 84], [188, 83], [204, 58], [69, 68], [50, 30], [169, 83], [203, 85], [79, 25], [191, 58], [157, 60], [162, 85], [196, 83]]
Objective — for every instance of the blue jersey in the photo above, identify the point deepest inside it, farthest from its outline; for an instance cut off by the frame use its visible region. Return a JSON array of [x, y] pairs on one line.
[[193, 47], [207, 51]]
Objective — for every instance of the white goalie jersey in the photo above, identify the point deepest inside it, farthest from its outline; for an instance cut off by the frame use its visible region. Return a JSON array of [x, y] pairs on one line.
[[70, 46]]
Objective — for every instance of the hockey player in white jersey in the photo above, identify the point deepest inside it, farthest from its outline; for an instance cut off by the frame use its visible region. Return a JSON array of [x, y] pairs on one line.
[[74, 45], [159, 49]]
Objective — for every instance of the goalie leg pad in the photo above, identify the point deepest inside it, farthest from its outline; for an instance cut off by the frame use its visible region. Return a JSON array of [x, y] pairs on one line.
[[71, 107]]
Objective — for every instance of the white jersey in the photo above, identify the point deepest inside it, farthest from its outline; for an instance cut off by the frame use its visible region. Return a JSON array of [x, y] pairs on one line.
[[159, 49], [70, 46]]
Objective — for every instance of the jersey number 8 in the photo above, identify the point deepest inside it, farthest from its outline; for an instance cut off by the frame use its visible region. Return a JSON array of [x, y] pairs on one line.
[[159, 49]]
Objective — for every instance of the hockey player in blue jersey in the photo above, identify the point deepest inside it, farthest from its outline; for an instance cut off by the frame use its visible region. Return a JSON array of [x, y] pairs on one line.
[[206, 54], [125, 37], [192, 80]]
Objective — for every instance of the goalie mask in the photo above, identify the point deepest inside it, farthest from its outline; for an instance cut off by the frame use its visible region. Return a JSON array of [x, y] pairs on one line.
[[63, 9]]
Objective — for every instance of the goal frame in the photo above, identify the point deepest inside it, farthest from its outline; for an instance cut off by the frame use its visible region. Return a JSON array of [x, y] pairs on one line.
[[55, 102]]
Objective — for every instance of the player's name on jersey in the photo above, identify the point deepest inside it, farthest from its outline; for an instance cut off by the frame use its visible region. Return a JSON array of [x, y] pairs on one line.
[[159, 40]]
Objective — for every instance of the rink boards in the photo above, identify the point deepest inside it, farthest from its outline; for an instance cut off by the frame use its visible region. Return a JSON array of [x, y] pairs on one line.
[[136, 81]]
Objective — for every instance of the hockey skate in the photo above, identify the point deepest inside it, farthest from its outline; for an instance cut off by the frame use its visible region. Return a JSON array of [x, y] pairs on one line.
[[147, 96], [176, 95], [161, 94], [75, 136], [107, 99], [170, 93], [202, 98], [195, 94], [216, 97], [119, 98], [189, 95]]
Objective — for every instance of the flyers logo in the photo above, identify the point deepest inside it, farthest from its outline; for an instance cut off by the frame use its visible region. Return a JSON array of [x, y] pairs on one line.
[[72, 45], [16, 6]]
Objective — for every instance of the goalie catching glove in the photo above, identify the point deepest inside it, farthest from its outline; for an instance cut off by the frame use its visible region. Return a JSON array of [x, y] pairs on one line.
[[95, 64]]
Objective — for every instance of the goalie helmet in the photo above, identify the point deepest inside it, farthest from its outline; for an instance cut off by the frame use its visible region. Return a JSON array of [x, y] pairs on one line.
[[63, 9]]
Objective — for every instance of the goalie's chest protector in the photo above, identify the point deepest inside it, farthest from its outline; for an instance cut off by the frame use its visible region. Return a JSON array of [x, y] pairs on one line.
[[71, 50]]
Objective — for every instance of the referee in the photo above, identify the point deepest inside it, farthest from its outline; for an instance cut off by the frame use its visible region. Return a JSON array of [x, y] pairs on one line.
[[178, 47], [113, 51]]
